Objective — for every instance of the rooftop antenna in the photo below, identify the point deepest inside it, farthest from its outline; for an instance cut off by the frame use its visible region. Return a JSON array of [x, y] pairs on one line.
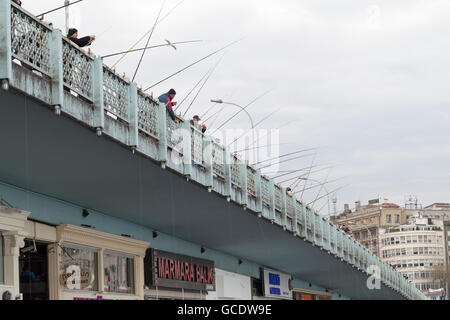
[[67, 4], [335, 200]]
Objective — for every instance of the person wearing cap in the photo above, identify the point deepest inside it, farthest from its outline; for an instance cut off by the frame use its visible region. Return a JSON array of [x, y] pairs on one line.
[[195, 123], [82, 42], [167, 99]]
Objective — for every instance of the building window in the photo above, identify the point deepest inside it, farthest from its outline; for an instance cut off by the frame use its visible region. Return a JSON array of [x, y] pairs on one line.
[[118, 273], [79, 269], [1, 259], [388, 218], [397, 218]]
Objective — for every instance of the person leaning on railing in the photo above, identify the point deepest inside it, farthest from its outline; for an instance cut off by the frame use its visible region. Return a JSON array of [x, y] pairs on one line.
[[82, 42], [18, 2], [195, 122], [167, 99]]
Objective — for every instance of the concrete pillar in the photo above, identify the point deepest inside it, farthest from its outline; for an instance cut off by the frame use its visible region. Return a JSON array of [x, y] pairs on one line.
[[13, 242], [97, 91], [187, 148], [5, 40], [227, 172], [56, 68], [133, 112], [208, 161], [162, 121], [258, 191]]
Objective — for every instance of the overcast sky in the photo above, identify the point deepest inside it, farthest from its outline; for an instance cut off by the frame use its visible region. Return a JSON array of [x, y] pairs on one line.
[[365, 81]]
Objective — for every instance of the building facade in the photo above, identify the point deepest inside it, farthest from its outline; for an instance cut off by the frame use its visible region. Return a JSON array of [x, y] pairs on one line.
[[365, 222], [417, 251]]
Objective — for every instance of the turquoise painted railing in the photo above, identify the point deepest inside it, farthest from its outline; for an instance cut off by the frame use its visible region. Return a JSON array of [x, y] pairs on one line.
[[114, 106]]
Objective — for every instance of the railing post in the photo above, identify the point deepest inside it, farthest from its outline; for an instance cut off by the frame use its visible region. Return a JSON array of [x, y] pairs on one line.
[[5, 43], [134, 116], [56, 68], [272, 199], [187, 148], [258, 191], [162, 143], [283, 208], [208, 161], [305, 224], [227, 172], [244, 182], [294, 212], [97, 92]]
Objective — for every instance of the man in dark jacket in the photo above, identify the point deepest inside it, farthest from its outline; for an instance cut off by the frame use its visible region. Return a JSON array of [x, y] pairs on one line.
[[82, 42], [18, 2], [167, 98]]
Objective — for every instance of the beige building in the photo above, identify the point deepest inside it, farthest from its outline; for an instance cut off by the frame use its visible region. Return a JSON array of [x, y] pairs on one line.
[[417, 251], [365, 222]]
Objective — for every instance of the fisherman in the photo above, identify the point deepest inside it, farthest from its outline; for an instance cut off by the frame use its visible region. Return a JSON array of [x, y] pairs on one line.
[[195, 122], [167, 98], [82, 42], [18, 2]]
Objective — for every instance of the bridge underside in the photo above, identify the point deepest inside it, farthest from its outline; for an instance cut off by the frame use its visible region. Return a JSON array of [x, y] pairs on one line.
[[59, 157]]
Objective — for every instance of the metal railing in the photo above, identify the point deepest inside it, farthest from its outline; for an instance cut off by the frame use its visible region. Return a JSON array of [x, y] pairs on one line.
[[30, 42]]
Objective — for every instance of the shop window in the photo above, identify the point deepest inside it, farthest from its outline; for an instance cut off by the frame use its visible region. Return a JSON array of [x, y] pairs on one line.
[[1, 259], [79, 269], [118, 273]]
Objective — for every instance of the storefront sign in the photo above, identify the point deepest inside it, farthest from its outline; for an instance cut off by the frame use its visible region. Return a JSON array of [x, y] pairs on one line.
[[76, 278], [165, 269], [276, 284]]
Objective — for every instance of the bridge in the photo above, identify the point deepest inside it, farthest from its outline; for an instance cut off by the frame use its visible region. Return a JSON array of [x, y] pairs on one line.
[[75, 131]]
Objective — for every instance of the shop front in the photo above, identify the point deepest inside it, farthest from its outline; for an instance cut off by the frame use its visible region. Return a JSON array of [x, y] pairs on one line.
[[273, 285], [85, 264], [170, 276], [12, 235], [231, 286], [309, 295]]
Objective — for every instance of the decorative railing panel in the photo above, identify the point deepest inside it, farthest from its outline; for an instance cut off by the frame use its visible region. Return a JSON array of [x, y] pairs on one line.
[[148, 115], [197, 146], [299, 213], [174, 134], [290, 210], [251, 182], [115, 94], [266, 197], [30, 41], [318, 223], [218, 160], [278, 198], [77, 70], [235, 172]]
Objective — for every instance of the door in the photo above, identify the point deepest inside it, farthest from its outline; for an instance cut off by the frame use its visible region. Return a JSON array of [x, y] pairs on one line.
[[33, 267]]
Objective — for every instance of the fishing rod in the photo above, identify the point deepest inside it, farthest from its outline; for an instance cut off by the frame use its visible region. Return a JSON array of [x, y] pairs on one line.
[[302, 175], [330, 193], [244, 134], [190, 92], [318, 193], [151, 47], [139, 41], [288, 172], [282, 126], [296, 185], [266, 146], [56, 9], [203, 85], [148, 40], [241, 110], [286, 155], [300, 157], [320, 184], [192, 64]]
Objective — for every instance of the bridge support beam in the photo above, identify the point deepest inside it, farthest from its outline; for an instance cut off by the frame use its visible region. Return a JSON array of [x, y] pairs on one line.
[[56, 69], [208, 161], [97, 86], [133, 140]]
